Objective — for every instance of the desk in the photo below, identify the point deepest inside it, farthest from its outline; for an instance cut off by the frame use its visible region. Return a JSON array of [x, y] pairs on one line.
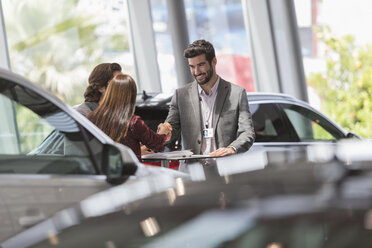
[[166, 157]]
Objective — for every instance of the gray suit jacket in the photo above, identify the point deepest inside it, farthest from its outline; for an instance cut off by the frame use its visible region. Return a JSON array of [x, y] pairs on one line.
[[232, 121]]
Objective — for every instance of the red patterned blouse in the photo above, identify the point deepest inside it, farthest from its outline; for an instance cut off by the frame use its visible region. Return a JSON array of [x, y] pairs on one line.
[[138, 133]]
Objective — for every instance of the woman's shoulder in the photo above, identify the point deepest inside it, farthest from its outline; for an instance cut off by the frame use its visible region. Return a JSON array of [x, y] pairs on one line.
[[86, 107]]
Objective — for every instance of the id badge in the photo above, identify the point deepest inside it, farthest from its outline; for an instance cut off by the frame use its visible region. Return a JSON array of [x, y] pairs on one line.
[[208, 133]]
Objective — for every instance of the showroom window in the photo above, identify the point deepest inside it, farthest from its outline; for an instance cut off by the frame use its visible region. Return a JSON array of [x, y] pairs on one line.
[[337, 55], [219, 21], [164, 45], [222, 23], [57, 43]]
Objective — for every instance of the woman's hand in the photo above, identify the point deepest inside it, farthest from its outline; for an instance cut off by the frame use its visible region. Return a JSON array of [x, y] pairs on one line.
[[145, 150]]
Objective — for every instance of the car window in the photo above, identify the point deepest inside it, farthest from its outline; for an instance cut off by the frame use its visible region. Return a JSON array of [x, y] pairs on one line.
[[39, 138], [310, 126], [31, 128], [268, 124], [153, 117]]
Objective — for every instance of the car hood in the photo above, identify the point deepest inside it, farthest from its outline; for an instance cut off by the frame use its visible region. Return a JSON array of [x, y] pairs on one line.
[[224, 203], [99, 204], [26, 200]]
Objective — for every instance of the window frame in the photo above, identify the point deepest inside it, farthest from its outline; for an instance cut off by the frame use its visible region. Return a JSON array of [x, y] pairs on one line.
[[327, 125]]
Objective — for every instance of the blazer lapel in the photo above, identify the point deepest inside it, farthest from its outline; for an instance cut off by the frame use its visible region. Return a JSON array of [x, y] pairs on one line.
[[220, 101], [194, 99]]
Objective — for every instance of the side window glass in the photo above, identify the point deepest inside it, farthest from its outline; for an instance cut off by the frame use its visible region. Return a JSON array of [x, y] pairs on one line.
[[32, 129], [268, 124], [310, 126], [9, 140], [39, 138]]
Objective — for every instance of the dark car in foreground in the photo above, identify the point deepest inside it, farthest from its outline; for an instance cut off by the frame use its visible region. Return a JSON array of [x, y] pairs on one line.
[[52, 157], [278, 119], [318, 197]]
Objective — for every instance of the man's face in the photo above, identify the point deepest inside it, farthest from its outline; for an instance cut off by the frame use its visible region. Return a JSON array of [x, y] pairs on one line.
[[201, 69]]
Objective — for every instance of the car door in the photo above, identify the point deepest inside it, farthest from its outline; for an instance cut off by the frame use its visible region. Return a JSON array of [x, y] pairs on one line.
[[48, 161]]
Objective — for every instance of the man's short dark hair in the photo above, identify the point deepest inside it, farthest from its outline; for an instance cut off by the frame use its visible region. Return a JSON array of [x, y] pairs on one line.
[[200, 47]]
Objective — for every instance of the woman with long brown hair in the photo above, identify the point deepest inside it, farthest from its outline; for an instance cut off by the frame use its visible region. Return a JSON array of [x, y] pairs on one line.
[[115, 116]]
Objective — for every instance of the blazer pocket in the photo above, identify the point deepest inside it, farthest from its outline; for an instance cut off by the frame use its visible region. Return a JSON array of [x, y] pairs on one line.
[[228, 113]]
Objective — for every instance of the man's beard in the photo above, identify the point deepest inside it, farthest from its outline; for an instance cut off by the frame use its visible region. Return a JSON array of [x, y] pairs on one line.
[[208, 77]]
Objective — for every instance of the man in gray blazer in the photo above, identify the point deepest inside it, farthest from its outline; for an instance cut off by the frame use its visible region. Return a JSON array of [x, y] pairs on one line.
[[211, 115]]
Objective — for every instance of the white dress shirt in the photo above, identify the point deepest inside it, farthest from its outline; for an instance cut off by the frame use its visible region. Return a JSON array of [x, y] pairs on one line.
[[207, 103]]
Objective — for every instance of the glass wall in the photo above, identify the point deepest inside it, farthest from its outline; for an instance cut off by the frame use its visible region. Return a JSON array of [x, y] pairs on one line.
[[164, 45], [337, 55], [58, 43], [219, 21], [222, 23]]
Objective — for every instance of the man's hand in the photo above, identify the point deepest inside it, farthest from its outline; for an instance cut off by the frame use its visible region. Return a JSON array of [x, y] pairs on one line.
[[165, 128], [223, 151]]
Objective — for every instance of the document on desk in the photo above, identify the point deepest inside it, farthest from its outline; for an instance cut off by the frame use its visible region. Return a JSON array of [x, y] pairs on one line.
[[173, 155]]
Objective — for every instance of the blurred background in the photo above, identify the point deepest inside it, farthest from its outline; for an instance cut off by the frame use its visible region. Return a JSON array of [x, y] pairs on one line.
[[319, 51]]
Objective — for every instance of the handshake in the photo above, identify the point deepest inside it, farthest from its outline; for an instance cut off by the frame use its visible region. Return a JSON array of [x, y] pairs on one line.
[[165, 128]]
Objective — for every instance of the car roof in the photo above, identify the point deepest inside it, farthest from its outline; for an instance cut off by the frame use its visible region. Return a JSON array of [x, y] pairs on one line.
[[256, 96], [146, 99]]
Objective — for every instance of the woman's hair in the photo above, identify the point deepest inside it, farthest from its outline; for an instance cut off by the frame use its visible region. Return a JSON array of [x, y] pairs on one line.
[[114, 114], [99, 78]]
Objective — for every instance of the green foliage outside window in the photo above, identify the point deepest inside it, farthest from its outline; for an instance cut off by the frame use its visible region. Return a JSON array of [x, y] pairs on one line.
[[32, 129], [321, 134], [56, 44], [345, 87]]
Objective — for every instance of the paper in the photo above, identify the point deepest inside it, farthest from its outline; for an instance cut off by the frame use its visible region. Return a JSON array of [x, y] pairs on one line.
[[169, 155]]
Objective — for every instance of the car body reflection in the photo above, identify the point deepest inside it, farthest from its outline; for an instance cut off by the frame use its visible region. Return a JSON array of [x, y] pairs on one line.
[[284, 198]]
